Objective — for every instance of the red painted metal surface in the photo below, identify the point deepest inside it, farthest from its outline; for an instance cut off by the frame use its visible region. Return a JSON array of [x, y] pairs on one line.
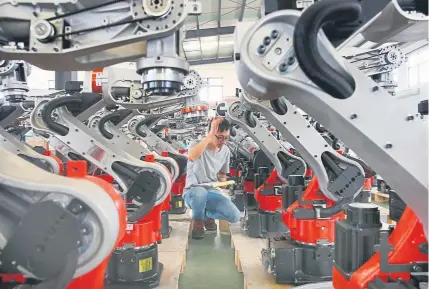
[[146, 231], [77, 169], [367, 185], [12, 278], [166, 205], [49, 153], [107, 178], [179, 185], [311, 230], [248, 186], [405, 239], [96, 84], [269, 203], [95, 278]]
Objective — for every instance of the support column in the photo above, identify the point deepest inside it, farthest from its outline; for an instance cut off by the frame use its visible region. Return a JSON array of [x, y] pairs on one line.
[[62, 76], [270, 6]]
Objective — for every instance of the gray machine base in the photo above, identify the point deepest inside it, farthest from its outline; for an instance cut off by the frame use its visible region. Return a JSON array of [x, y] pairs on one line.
[[259, 224], [177, 205], [165, 225], [294, 263], [134, 266], [238, 200]]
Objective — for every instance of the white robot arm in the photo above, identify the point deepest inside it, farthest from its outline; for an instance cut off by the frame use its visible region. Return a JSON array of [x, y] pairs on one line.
[[108, 128], [89, 34], [129, 172], [285, 163], [283, 52], [76, 230]]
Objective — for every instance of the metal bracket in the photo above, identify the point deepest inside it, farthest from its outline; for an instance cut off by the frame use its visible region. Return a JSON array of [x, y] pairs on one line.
[[384, 248], [236, 113], [305, 139]]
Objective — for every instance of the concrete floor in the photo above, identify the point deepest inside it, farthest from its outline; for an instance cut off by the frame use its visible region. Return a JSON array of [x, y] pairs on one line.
[[210, 264]]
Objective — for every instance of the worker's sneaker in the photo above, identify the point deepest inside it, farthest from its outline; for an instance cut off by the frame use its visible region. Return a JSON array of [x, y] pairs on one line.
[[197, 229], [210, 224]]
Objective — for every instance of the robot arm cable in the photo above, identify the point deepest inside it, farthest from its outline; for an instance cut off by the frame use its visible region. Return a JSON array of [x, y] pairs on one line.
[[107, 3], [306, 48], [104, 26]]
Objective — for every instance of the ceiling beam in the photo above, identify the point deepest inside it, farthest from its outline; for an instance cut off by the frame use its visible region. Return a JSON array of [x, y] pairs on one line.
[[241, 14], [211, 61], [209, 32], [219, 17], [199, 38]]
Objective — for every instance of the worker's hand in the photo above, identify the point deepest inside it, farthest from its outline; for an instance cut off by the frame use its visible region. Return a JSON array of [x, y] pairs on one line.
[[214, 127]]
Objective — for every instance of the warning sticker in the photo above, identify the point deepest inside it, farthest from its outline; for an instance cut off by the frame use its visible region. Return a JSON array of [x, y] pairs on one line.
[[179, 204], [145, 265]]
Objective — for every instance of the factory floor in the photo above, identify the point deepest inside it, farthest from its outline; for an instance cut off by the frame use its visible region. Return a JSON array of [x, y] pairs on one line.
[[210, 264]]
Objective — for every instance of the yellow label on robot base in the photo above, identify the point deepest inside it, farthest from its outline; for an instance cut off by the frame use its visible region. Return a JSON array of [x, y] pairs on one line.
[[179, 204], [145, 265]]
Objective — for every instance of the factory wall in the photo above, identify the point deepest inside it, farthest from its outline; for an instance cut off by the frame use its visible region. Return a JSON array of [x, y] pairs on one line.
[[223, 70]]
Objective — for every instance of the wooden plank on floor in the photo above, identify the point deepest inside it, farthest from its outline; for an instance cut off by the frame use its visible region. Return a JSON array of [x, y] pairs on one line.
[[178, 240], [186, 217], [249, 261], [172, 262], [224, 228], [380, 197]]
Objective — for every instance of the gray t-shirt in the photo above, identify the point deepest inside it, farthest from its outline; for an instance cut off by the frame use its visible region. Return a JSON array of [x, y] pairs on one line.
[[206, 168]]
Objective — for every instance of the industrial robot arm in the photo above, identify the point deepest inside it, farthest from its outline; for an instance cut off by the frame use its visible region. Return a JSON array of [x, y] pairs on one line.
[[14, 146], [8, 114], [108, 127], [13, 79], [141, 127], [88, 34], [242, 143], [132, 94], [285, 163], [145, 184], [76, 230], [342, 98], [339, 177]]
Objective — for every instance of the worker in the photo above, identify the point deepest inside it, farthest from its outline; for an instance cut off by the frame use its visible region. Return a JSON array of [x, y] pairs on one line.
[[208, 162]]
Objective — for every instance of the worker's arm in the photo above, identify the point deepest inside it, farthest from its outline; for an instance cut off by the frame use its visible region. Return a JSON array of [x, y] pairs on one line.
[[222, 175], [197, 150]]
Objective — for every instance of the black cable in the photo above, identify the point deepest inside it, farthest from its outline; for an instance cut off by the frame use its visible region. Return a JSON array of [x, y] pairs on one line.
[[84, 10], [105, 26]]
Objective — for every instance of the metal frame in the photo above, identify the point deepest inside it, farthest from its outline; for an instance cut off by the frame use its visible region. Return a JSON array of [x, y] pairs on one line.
[[207, 32], [241, 15], [262, 136], [211, 61], [352, 119], [86, 142], [217, 31], [36, 185]]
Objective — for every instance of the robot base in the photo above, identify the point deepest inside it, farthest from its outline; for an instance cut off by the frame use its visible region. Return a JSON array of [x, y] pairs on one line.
[[260, 223], [165, 225], [238, 199], [133, 267], [177, 205], [295, 263]]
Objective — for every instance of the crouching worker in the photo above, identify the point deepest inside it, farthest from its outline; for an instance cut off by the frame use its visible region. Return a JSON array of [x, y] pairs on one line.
[[208, 161]]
